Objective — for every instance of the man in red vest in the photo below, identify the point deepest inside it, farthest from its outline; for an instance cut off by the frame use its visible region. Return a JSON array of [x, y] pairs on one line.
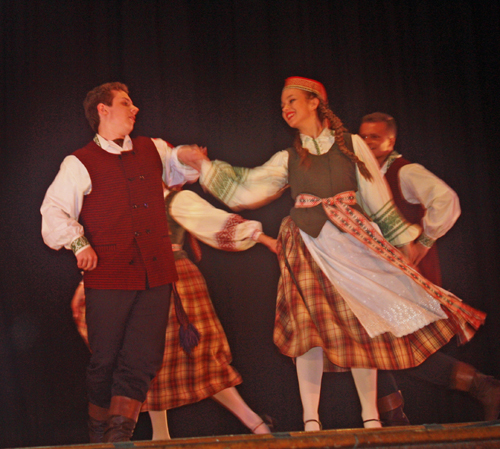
[[106, 205], [425, 199]]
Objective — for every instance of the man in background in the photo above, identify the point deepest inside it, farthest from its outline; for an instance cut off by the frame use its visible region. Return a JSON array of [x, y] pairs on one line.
[[425, 199]]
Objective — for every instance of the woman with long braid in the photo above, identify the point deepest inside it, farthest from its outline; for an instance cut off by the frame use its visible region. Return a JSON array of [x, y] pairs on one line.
[[347, 298]]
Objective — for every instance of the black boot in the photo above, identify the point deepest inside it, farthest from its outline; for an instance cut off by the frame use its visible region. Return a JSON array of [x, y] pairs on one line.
[[119, 428], [97, 423], [123, 414], [486, 389], [390, 409]]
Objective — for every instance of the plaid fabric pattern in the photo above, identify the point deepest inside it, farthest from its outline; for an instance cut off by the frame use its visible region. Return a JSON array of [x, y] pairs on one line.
[[185, 379], [465, 318], [324, 319]]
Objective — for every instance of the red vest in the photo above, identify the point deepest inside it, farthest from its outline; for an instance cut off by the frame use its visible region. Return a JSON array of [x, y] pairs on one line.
[[124, 218], [429, 265]]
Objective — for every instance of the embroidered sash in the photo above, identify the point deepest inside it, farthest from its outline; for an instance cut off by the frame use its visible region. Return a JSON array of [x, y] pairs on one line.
[[339, 211]]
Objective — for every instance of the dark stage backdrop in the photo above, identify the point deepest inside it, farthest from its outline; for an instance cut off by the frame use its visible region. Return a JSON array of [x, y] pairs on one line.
[[211, 72]]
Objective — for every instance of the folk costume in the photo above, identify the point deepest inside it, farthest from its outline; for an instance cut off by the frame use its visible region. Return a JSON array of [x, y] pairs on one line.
[[205, 371], [424, 199], [343, 287], [351, 298], [110, 197]]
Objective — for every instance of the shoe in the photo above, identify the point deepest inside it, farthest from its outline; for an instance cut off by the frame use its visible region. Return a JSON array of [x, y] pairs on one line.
[[97, 422], [96, 430], [123, 415], [119, 428], [391, 412], [486, 389], [314, 420], [372, 420], [268, 421]]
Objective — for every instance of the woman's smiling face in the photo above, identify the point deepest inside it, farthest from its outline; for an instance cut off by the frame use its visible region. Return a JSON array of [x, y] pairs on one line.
[[297, 109]]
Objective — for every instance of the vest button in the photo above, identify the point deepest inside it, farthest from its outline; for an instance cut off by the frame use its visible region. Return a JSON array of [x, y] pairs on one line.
[[130, 179], [154, 259], [141, 177], [135, 206], [146, 205], [131, 262], [148, 231], [137, 234]]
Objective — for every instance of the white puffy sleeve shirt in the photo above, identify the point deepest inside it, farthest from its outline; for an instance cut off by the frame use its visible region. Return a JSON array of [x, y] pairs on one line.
[[441, 203], [241, 188], [63, 201], [215, 227]]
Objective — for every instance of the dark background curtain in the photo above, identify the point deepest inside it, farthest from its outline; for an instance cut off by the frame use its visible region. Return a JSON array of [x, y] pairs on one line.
[[211, 72]]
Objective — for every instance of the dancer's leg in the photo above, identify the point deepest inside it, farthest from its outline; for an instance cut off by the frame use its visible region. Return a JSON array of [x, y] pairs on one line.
[[159, 424], [309, 374], [231, 399], [366, 385]]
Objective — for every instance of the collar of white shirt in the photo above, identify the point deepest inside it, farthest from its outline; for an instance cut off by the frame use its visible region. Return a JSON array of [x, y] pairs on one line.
[[111, 147], [320, 144], [388, 162]]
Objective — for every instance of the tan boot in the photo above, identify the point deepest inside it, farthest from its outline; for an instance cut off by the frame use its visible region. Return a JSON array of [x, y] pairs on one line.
[[97, 422], [123, 415], [390, 409], [486, 389]]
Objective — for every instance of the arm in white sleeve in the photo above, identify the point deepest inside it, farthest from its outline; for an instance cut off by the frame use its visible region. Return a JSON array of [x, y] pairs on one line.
[[245, 188], [174, 171], [215, 227], [62, 205], [376, 199], [420, 186]]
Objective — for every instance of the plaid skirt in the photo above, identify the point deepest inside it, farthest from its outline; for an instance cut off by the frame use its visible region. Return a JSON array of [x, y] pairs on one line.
[[318, 316], [184, 379]]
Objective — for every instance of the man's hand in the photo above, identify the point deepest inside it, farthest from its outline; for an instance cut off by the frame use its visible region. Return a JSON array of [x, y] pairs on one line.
[[78, 302], [87, 259], [192, 155]]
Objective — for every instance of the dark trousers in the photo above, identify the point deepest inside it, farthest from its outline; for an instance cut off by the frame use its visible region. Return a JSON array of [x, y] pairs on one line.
[[437, 370], [126, 332]]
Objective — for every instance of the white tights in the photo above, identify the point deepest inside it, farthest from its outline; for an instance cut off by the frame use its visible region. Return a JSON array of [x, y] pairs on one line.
[[310, 373], [159, 424], [229, 398]]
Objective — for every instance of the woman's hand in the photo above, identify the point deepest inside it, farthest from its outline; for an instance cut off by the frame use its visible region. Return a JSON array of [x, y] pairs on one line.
[[420, 251], [78, 302], [269, 242], [192, 155], [410, 253]]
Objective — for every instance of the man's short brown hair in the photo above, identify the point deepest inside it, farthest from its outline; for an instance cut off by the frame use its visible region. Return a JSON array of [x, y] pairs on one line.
[[377, 117], [101, 94]]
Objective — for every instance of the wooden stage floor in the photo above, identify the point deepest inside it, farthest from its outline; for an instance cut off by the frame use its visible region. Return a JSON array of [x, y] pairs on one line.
[[480, 435]]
